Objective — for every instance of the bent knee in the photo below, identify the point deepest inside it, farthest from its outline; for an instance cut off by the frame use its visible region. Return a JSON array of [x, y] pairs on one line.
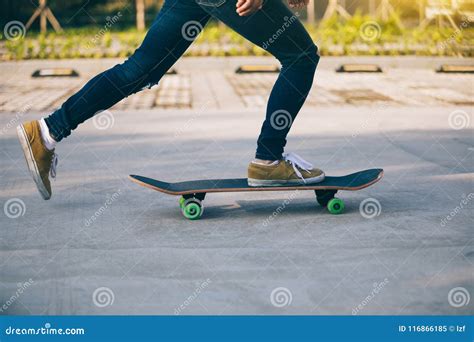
[[306, 60]]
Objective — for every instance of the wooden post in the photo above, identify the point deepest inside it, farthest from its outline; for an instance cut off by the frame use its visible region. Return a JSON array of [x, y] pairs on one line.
[[386, 9], [335, 8], [311, 9], [372, 7], [439, 13], [421, 12], [45, 14], [140, 6], [43, 19]]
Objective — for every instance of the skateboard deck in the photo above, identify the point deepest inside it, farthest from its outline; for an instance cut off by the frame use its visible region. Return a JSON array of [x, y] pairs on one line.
[[193, 192]]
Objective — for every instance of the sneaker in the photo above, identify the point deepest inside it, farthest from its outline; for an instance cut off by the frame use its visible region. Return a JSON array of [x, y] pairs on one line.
[[290, 170], [41, 161]]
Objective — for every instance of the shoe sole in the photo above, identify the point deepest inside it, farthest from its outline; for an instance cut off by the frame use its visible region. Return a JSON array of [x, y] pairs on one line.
[[30, 161], [282, 182]]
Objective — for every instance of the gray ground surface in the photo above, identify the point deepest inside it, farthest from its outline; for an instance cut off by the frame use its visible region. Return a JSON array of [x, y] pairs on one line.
[[104, 245]]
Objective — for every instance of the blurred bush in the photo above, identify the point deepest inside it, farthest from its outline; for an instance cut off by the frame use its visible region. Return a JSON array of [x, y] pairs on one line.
[[360, 35]]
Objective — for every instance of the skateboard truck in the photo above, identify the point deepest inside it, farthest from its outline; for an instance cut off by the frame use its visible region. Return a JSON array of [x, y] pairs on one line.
[[192, 207], [326, 199]]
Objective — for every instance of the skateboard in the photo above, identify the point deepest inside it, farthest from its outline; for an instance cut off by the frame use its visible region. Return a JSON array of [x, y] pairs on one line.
[[193, 192]]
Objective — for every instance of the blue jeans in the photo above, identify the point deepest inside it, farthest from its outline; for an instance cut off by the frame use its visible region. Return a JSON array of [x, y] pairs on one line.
[[274, 28]]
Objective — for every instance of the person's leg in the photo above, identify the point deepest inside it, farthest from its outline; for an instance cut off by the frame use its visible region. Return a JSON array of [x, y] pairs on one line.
[[170, 35], [276, 29], [176, 26]]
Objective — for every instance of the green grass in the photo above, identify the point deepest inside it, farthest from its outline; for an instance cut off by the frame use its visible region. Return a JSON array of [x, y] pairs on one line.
[[333, 37]]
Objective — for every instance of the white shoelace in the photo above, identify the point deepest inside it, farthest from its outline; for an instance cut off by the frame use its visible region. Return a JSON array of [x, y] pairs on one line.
[[298, 163], [54, 164]]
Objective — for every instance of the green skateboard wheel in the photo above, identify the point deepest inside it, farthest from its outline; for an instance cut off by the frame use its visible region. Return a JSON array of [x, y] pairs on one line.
[[192, 210], [336, 206]]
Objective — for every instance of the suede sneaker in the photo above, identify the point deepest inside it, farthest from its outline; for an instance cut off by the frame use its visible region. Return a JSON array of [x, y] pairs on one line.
[[290, 170], [41, 161]]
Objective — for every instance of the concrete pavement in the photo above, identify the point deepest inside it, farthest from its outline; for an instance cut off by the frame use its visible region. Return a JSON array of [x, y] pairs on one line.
[[103, 245], [212, 83]]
